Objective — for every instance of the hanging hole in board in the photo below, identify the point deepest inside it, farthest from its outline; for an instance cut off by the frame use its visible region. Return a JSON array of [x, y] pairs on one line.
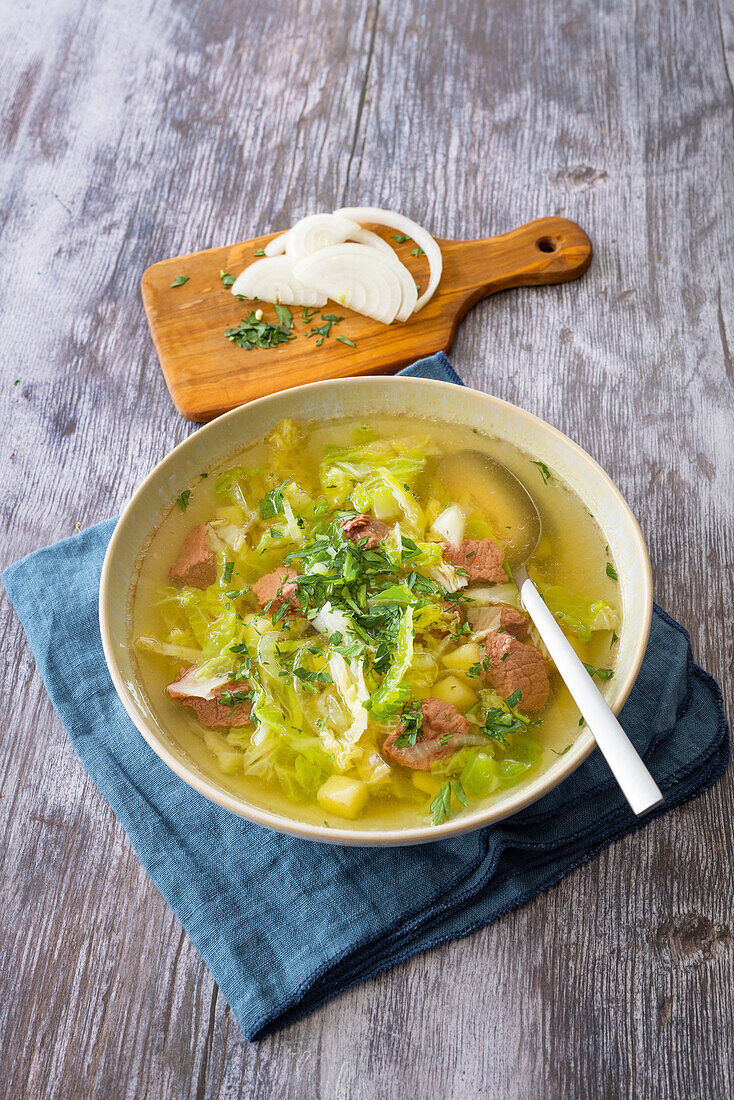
[[546, 244]]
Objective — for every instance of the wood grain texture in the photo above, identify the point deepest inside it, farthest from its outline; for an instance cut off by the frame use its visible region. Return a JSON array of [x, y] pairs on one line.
[[130, 132], [207, 375]]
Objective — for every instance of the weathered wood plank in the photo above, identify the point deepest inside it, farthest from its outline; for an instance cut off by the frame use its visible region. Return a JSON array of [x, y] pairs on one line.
[[127, 135]]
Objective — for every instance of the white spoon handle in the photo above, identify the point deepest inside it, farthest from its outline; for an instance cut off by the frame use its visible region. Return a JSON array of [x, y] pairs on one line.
[[635, 781]]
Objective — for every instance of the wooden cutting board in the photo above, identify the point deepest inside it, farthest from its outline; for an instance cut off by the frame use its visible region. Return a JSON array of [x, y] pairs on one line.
[[207, 375]]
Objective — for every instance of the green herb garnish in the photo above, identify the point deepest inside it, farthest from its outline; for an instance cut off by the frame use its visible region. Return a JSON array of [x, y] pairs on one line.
[[252, 332], [259, 252], [180, 280], [412, 719], [183, 500], [343, 340], [544, 471], [232, 698], [401, 238], [272, 503], [441, 805], [612, 572], [226, 278], [615, 639], [228, 570], [602, 673], [285, 317]]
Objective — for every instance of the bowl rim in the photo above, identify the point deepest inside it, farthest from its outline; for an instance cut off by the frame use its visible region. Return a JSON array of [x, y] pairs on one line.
[[422, 834]]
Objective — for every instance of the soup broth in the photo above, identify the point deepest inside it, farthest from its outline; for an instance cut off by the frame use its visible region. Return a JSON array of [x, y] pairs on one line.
[[330, 629]]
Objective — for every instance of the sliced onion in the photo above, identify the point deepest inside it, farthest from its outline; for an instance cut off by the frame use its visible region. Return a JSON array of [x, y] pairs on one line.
[[276, 247], [451, 524], [193, 684], [357, 276], [318, 231], [273, 280], [420, 235], [366, 236]]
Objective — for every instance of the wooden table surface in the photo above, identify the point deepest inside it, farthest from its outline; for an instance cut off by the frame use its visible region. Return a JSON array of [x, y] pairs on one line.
[[130, 132]]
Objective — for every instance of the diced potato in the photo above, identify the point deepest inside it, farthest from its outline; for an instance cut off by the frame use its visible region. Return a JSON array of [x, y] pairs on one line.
[[462, 658], [229, 759], [424, 781], [342, 796], [453, 690], [231, 514]]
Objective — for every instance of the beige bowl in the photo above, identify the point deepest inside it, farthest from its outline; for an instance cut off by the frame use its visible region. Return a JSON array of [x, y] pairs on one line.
[[224, 437]]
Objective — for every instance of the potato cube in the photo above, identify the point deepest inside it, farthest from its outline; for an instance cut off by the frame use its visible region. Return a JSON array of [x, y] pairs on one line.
[[462, 658], [453, 690], [342, 796], [424, 781]]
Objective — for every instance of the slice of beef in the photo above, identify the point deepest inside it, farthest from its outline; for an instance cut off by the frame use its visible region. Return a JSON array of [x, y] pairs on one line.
[[275, 588], [481, 558], [498, 616], [196, 564], [514, 664], [212, 712], [439, 720], [365, 527]]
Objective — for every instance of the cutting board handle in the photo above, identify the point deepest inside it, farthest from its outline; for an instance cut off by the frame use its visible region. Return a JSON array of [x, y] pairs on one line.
[[547, 250]]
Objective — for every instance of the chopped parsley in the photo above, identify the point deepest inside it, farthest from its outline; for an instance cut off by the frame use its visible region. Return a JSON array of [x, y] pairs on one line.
[[401, 238], [615, 639], [612, 572], [272, 503], [602, 673], [232, 698], [228, 570], [180, 280], [544, 471], [311, 680], [227, 279], [253, 332], [259, 252], [417, 251], [441, 805], [285, 317], [412, 719], [183, 499], [343, 340]]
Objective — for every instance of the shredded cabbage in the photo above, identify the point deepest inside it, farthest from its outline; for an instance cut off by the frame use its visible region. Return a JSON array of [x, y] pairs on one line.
[[579, 613]]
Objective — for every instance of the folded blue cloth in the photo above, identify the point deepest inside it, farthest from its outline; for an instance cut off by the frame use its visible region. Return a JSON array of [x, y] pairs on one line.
[[283, 924]]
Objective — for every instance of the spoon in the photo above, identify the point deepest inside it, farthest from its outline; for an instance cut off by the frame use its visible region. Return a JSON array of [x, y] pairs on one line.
[[500, 494]]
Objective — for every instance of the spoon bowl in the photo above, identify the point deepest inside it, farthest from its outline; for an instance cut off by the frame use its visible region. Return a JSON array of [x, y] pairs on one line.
[[474, 478]]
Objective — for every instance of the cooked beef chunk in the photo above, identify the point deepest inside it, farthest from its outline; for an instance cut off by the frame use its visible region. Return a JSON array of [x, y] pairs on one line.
[[514, 664], [439, 720], [481, 558], [275, 588], [365, 527], [196, 564], [212, 712]]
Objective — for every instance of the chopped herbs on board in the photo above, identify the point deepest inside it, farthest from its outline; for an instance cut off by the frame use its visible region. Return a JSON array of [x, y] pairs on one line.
[[252, 332]]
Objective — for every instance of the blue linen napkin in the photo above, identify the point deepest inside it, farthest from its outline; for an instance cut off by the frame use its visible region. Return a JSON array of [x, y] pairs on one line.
[[284, 924]]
